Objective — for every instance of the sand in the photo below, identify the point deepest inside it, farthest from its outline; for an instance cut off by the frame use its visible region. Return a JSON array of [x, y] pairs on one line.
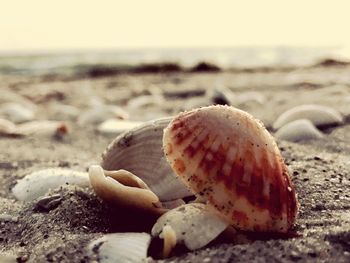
[[320, 169]]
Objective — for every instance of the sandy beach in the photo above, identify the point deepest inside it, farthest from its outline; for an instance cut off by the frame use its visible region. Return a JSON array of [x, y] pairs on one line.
[[320, 168]]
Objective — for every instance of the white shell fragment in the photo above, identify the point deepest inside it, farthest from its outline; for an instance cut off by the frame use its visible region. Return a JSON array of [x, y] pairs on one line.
[[140, 151], [114, 126], [319, 115], [7, 127], [194, 224], [40, 182], [169, 236], [42, 128], [120, 248], [101, 113], [123, 189], [16, 112], [299, 130]]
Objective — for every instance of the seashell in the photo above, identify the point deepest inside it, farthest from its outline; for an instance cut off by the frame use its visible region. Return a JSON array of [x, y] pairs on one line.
[[38, 183], [7, 127], [101, 113], [299, 130], [223, 96], [250, 97], [123, 189], [227, 156], [319, 115], [63, 112], [16, 112], [42, 128], [194, 224], [140, 152], [120, 248], [114, 126], [169, 236], [145, 101]]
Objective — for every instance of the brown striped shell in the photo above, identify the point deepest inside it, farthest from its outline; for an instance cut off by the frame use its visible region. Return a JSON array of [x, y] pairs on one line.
[[225, 155]]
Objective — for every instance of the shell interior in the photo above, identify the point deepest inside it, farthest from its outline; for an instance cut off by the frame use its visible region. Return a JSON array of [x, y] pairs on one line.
[[140, 152]]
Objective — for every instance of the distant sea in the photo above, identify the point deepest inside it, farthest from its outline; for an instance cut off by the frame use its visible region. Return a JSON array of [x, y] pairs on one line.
[[69, 62]]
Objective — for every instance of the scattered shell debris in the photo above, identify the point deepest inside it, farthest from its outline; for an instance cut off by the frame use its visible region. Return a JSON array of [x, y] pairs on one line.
[[39, 183], [299, 130], [319, 115]]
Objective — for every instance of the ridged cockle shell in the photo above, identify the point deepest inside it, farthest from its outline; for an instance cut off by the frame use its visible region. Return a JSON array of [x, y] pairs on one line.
[[228, 157]]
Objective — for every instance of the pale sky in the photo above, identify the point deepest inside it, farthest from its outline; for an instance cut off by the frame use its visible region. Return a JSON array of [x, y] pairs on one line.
[[102, 24]]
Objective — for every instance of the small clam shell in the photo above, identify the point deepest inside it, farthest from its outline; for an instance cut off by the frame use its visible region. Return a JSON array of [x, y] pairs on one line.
[[120, 248], [299, 130], [140, 152], [194, 224], [123, 189], [228, 157], [319, 115], [40, 182]]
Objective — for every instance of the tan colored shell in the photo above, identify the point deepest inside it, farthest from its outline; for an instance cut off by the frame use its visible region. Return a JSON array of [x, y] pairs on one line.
[[124, 189], [228, 157]]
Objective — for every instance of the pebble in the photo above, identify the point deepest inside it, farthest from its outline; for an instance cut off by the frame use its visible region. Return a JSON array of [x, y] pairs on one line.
[[319, 115], [299, 130], [8, 218], [47, 203]]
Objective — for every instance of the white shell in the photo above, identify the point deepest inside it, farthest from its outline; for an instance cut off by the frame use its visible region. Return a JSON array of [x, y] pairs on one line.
[[120, 248], [319, 115], [114, 126], [16, 112], [40, 182], [140, 152], [42, 128], [101, 113], [7, 127], [299, 130], [194, 224]]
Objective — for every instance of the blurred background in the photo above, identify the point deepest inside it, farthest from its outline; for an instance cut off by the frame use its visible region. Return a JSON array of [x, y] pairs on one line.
[[41, 37]]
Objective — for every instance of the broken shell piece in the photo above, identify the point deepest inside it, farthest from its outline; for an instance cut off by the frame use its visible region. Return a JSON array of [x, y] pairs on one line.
[[140, 151], [299, 130], [16, 112], [42, 128], [229, 158], [194, 224], [114, 126], [319, 115], [169, 236], [101, 113], [40, 182], [132, 194], [120, 248], [7, 127]]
